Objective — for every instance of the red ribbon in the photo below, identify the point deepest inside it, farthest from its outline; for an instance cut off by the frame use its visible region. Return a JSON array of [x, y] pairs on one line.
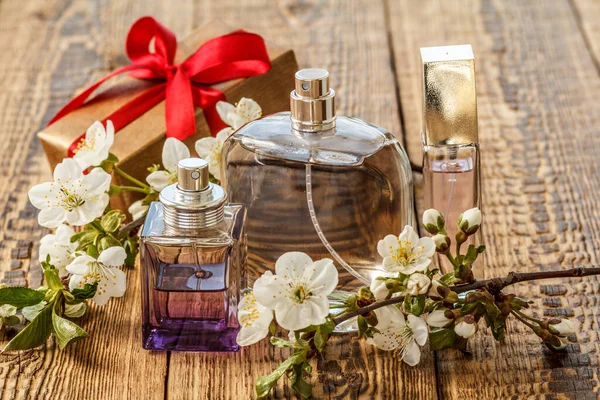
[[236, 55]]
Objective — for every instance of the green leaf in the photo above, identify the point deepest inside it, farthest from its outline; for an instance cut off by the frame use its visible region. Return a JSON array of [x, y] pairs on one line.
[[20, 297], [11, 320], [281, 343], [328, 326], [75, 310], [300, 386], [320, 340], [471, 256], [66, 332], [112, 221], [35, 334], [445, 338], [106, 242], [92, 250], [52, 279], [130, 244], [418, 305], [264, 384], [362, 325], [86, 292], [272, 328]]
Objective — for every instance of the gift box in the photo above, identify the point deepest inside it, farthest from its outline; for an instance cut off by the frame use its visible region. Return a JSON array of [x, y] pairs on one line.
[[138, 144]]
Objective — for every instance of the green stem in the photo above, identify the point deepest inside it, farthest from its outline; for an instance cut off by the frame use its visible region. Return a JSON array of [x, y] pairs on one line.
[[130, 178], [523, 320], [449, 256], [135, 189]]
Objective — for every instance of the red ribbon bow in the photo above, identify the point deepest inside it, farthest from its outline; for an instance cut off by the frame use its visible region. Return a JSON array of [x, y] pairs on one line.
[[236, 55]]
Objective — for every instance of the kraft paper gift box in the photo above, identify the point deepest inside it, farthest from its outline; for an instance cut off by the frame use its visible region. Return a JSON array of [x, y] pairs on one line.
[[139, 144]]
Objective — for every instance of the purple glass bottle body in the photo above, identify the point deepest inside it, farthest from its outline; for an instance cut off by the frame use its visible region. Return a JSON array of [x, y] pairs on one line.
[[191, 284]]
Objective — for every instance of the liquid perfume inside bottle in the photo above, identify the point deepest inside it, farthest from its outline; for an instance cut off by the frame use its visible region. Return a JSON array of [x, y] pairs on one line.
[[193, 259], [326, 185], [450, 137]]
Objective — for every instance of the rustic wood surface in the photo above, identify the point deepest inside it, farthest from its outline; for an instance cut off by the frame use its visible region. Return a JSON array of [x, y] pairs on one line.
[[538, 82]]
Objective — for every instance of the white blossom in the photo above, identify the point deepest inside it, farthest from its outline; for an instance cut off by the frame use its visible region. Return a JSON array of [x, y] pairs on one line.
[[173, 152], [88, 270], [406, 253], [72, 197], [254, 320], [237, 115], [418, 284], [404, 335], [59, 247], [94, 148], [209, 148], [441, 241], [298, 291], [138, 209]]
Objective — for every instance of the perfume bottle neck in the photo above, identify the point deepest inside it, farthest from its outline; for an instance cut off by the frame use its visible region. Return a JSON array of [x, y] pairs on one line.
[[180, 220]]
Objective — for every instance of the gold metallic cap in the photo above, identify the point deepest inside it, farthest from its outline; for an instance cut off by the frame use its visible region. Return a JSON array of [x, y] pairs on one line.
[[312, 102], [449, 97]]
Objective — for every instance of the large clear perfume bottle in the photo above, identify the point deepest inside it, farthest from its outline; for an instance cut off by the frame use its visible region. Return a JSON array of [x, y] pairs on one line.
[[193, 262], [328, 186], [450, 136]]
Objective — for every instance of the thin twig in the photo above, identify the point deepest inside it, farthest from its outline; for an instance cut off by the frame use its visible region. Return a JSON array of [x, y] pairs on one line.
[[490, 284]]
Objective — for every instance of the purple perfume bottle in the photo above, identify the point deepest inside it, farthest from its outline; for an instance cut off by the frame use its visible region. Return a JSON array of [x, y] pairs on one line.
[[193, 254]]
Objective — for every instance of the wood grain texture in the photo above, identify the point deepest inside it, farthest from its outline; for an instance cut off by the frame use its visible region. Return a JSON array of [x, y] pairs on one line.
[[538, 91]]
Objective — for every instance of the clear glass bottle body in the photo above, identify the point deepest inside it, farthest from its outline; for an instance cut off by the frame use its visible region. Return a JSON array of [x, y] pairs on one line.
[[191, 283], [330, 194], [452, 186]]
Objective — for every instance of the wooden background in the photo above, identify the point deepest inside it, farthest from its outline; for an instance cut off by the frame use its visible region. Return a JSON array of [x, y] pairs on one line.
[[539, 89]]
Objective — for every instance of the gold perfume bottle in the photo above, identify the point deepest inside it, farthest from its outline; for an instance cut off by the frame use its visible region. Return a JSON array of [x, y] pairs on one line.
[[450, 136]]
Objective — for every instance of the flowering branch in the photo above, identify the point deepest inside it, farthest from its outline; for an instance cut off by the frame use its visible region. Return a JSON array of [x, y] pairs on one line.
[[493, 284]]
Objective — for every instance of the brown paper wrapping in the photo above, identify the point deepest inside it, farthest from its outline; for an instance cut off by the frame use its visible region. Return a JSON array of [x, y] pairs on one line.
[[139, 144]]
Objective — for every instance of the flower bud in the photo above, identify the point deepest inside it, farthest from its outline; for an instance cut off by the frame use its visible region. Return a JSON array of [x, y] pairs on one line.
[[433, 221], [469, 221], [557, 342], [466, 328], [442, 242], [418, 284], [379, 289], [438, 319], [437, 291], [563, 328]]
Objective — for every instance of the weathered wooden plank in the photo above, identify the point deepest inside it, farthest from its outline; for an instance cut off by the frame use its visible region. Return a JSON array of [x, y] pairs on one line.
[[587, 12], [47, 51], [538, 92], [349, 39]]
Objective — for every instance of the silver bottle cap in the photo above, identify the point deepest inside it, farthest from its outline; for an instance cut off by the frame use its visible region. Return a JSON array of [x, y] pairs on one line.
[[312, 102], [193, 202]]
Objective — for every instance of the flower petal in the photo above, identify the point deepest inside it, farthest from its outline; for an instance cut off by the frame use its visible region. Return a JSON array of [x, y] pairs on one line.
[[420, 265], [173, 152], [113, 256], [323, 276], [96, 182], [67, 169], [390, 265], [409, 235], [117, 282], [204, 146], [412, 354], [43, 195], [294, 317], [80, 265], [428, 245], [386, 340], [267, 289], [223, 109], [292, 264], [51, 217], [418, 326], [387, 245], [158, 180], [223, 135]]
